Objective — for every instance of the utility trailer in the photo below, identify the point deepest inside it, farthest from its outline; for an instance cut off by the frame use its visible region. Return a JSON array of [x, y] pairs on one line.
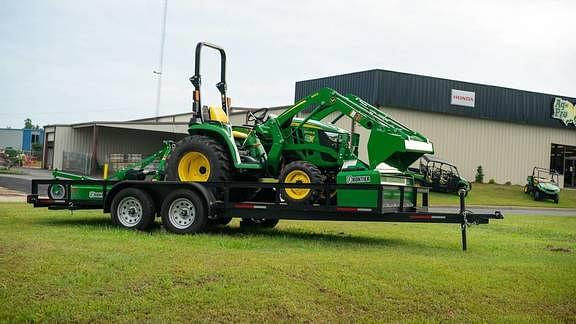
[[189, 207]]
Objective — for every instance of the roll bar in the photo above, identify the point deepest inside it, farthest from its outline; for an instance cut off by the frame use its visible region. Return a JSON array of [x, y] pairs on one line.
[[196, 80]]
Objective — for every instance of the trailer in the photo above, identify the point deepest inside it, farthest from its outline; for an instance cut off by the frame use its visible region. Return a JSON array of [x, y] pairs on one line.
[[190, 207]]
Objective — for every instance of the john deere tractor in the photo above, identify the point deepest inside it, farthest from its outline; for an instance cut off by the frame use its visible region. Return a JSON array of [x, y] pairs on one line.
[[293, 149]]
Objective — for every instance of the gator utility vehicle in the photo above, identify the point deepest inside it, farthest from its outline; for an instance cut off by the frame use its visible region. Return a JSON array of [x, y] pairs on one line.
[[543, 184], [275, 167], [439, 175]]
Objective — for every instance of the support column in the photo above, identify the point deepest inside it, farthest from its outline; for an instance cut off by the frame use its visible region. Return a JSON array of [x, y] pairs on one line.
[[94, 159]]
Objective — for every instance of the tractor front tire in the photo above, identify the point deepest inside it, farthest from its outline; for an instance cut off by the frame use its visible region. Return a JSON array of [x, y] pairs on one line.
[[301, 172]]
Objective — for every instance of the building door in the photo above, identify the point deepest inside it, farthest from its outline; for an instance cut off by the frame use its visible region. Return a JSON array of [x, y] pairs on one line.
[[563, 161], [570, 172]]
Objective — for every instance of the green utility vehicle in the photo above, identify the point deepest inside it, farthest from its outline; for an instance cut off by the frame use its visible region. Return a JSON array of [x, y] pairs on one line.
[[293, 149], [151, 166], [543, 184], [439, 175]]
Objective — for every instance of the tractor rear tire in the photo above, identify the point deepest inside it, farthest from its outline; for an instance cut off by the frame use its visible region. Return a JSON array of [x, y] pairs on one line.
[[201, 158], [301, 172], [198, 158]]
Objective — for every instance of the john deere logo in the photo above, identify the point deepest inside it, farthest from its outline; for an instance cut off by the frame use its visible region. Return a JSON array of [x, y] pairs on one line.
[[95, 195], [565, 111], [357, 179]]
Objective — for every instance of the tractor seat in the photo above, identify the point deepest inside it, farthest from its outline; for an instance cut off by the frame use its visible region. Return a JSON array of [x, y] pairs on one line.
[[217, 114]]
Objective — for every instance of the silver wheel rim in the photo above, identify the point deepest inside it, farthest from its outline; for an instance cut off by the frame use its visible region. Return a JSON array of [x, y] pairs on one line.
[[182, 213], [129, 211], [258, 220], [57, 191]]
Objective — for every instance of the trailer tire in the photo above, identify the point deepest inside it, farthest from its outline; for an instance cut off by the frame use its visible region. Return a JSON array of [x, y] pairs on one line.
[[56, 191], [258, 223], [183, 212], [133, 209]]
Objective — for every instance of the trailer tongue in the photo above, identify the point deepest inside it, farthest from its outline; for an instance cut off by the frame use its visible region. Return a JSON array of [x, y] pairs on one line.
[[188, 207]]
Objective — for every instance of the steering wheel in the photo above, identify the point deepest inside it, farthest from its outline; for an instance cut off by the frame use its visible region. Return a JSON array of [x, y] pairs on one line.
[[257, 116]]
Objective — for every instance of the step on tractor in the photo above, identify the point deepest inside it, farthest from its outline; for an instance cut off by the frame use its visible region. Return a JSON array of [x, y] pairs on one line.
[[291, 149]]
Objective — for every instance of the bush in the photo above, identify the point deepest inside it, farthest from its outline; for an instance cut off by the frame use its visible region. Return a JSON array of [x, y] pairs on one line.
[[491, 181], [479, 174], [508, 183]]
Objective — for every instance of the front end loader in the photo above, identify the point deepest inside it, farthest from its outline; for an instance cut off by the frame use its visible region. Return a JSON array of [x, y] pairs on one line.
[[289, 148]]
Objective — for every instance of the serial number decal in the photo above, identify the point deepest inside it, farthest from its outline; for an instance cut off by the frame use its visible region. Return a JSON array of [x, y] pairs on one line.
[[357, 179]]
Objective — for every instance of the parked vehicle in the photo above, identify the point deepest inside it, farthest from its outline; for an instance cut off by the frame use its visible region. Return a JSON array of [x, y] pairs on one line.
[[543, 184], [439, 175]]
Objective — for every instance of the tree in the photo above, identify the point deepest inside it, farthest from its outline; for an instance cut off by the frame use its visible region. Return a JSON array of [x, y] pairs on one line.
[[28, 123]]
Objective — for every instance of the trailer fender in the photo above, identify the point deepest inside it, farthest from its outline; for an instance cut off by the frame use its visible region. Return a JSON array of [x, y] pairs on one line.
[[159, 190]]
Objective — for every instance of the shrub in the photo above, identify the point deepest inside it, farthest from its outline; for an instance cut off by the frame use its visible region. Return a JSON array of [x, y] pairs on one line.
[[491, 181], [479, 174]]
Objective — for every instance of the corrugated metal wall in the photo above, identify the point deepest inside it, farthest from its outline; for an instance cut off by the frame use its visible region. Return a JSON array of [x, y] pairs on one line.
[[394, 89], [11, 138]]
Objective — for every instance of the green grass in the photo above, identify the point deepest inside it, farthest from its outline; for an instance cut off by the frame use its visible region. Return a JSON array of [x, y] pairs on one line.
[[56, 266], [10, 171], [502, 195]]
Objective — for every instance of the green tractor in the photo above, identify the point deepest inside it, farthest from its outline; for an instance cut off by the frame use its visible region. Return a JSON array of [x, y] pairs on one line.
[[289, 148], [543, 184]]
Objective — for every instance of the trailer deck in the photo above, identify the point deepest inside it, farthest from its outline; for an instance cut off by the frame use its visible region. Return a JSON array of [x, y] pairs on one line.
[[268, 204]]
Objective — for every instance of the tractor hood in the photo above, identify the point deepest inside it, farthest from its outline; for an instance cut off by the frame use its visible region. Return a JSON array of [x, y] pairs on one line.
[[548, 187]]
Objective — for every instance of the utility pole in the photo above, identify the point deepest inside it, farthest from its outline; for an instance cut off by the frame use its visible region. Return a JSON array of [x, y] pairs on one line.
[[161, 62]]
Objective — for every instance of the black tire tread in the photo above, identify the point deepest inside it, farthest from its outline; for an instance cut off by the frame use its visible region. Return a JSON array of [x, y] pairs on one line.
[[315, 174], [148, 208]]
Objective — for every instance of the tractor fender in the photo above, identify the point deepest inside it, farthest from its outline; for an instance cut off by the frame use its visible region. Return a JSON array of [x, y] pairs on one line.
[[158, 190], [222, 134]]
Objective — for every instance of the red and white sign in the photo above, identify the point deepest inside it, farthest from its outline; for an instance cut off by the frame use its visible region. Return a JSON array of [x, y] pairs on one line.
[[462, 98]]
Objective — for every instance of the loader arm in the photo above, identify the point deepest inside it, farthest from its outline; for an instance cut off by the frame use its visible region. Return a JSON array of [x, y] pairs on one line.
[[390, 141]]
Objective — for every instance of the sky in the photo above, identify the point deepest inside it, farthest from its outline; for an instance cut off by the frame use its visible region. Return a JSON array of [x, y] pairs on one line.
[[72, 61]]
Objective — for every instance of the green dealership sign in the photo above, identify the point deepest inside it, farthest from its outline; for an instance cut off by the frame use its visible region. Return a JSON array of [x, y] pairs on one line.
[[565, 111]]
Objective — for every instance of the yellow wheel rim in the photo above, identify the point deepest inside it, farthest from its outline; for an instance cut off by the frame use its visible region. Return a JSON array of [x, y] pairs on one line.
[[297, 176], [194, 166]]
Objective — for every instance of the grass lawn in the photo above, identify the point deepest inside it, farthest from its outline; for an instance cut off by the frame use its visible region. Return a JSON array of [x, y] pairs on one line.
[[501, 195], [58, 267], [10, 171]]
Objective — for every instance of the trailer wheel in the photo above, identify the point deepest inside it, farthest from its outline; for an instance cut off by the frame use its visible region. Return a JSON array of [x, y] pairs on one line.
[[258, 223], [133, 208], [183, 212], [56, 191]]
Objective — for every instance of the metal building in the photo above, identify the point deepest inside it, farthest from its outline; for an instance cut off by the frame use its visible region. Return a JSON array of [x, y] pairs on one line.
[[506, 131]]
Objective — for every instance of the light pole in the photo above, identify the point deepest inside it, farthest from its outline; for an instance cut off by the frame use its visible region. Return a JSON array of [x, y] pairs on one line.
[[161, 62]]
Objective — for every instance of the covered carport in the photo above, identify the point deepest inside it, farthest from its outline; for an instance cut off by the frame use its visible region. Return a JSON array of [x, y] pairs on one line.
[[84, 148]]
